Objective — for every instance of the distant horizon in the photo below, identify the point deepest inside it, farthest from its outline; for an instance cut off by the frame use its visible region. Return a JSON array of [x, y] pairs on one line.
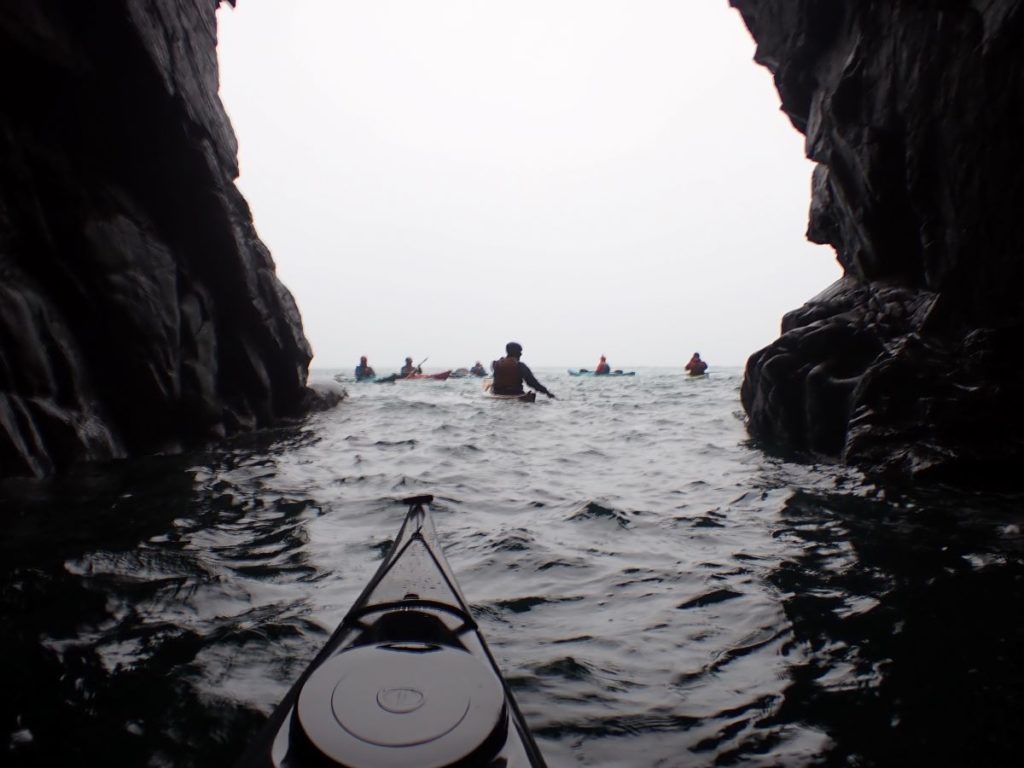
[[430, 368]]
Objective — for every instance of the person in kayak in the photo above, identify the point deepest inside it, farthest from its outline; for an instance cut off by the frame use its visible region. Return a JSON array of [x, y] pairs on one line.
[[603, 368], [409, 369], [478, 369], [364, 371], [696, 366], [510, 373]]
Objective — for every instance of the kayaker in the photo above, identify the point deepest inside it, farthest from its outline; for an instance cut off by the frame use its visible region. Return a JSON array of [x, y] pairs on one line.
[[603, 368], [478, 369], [364, 371], [510, 373], [409, 369], [696, 366]]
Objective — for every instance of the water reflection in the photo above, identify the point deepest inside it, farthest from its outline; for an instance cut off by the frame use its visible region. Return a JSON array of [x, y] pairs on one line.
[[120, 587], [907, 615]]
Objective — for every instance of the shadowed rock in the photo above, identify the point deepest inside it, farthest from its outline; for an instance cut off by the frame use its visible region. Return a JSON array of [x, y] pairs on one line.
[[909, 365], [139, 311]]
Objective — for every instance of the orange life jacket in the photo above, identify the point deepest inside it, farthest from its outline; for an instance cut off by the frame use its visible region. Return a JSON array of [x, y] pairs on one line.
[[507, 379]]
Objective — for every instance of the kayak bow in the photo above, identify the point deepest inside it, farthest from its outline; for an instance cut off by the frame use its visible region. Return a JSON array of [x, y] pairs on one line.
[[442, 376], [405, 680]]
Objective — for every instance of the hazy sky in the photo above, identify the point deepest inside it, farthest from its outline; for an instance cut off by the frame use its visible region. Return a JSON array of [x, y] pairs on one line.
[[435, 178]]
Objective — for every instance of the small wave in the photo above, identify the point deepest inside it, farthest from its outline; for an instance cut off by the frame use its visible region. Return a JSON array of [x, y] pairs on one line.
[[756, 642], [710, 598], [578, 639], [295, 506], [759, 706], [620, 725], [382, 547], [467, 449], [711, 519], [645, 580], [524, 604], [594, 511], [518, 541], [559, 564], [566, 667], [271, 624]]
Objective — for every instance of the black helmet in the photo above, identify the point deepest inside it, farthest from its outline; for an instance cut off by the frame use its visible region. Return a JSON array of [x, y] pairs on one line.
[[513, 348]]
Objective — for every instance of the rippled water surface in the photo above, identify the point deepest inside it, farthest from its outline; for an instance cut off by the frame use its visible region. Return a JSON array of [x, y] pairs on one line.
[[657, 590]]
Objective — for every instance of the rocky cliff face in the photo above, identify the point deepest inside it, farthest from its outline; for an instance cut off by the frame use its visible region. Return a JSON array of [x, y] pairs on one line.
[[139, 311], [914, 112]]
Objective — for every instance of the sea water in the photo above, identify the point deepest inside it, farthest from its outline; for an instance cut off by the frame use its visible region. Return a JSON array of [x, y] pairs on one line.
[[657, 590]]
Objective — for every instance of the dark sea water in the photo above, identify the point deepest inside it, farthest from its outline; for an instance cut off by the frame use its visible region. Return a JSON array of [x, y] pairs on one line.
[[658, 591]]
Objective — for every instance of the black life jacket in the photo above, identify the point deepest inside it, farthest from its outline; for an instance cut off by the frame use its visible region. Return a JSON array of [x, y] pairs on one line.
[[507, 379]]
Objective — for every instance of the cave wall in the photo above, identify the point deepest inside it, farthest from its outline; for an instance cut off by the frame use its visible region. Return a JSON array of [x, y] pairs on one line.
[[913, 111], [139, 310]]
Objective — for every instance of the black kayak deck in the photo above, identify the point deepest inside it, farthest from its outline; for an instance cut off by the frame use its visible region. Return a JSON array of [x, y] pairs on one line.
[[405, 680]]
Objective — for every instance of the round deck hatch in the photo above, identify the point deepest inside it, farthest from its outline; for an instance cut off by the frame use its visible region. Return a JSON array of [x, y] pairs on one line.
[[400, 705]]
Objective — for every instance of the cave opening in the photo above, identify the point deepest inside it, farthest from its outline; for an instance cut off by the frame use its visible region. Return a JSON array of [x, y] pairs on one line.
[[623, 175]]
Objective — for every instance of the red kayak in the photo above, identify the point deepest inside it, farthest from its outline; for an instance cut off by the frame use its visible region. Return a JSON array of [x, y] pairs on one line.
[[436, 376]]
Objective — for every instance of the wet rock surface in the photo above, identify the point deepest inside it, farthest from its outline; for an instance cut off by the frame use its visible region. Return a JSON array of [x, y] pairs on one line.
[[910, 365], [139, 310]]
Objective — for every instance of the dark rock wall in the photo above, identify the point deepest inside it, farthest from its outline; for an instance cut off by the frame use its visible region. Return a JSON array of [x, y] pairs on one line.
[[139, 311], [914, 112]]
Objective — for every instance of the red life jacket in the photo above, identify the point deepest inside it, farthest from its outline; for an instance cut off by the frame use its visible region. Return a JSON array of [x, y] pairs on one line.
[[507, 379]]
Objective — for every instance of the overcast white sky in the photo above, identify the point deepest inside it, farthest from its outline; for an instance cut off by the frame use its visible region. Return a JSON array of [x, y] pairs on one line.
[[437, 177]]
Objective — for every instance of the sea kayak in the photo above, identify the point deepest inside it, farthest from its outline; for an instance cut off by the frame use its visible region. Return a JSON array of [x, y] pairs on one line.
[[585, 372], [526, 397], [405, 680], [436, 376]]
